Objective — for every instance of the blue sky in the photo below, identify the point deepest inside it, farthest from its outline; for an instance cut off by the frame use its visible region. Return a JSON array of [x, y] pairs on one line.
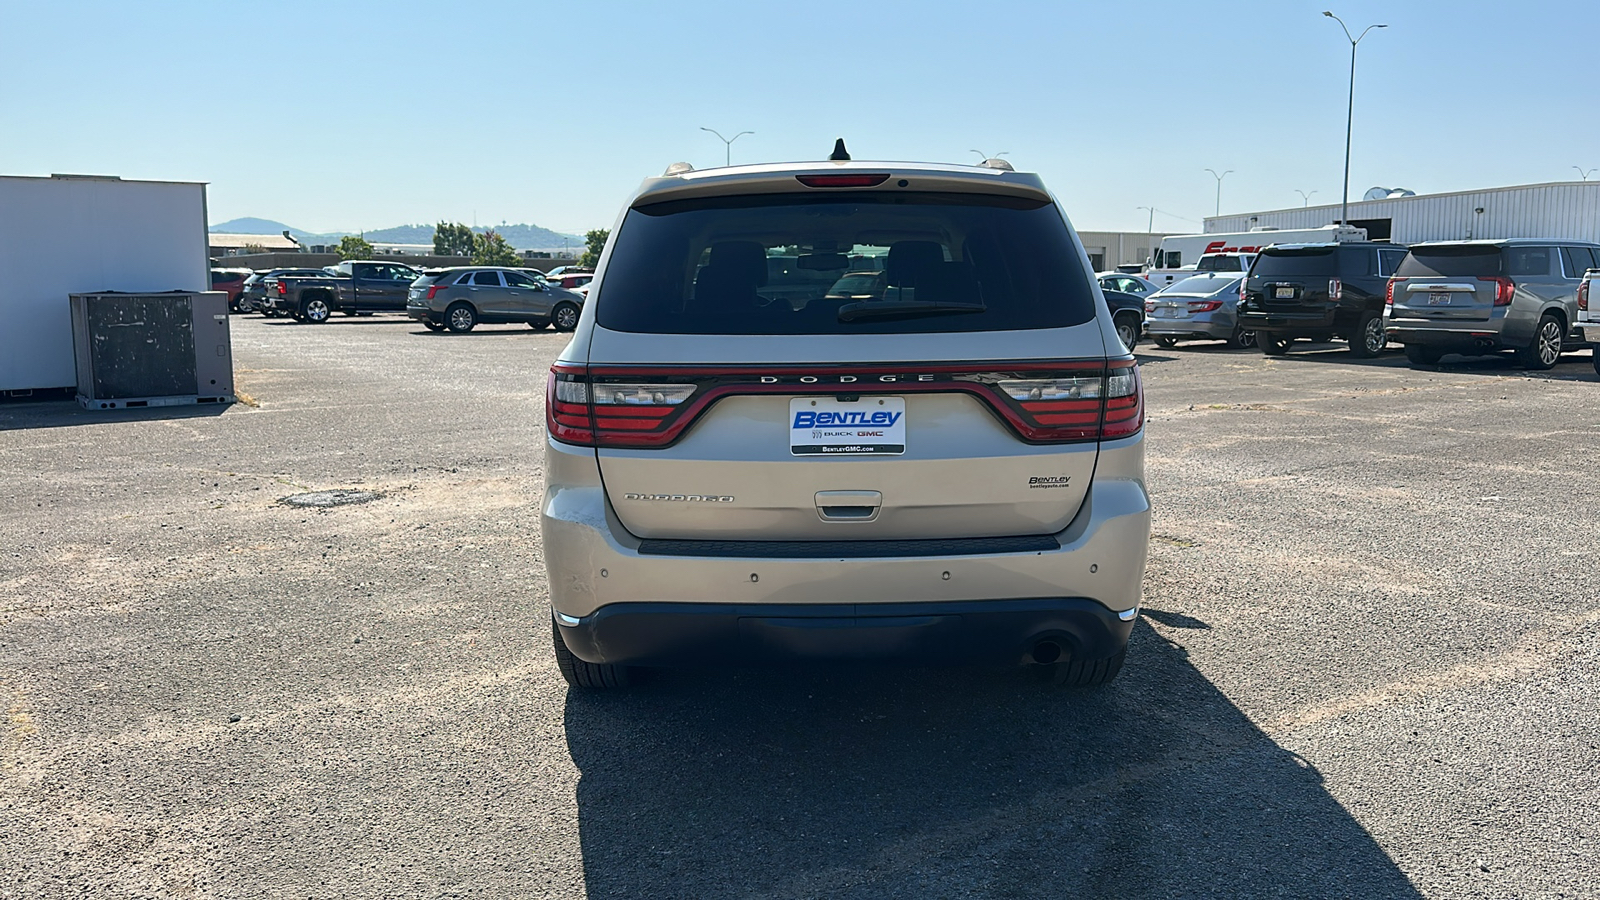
[[350, 115]]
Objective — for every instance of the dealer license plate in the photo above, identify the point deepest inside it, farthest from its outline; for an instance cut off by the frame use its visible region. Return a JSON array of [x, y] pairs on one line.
[[824, 426], [1439, 298], [1283, 292]]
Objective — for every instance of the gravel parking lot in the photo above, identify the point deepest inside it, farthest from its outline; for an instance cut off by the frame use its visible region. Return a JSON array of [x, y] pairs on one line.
[[1367, 667]]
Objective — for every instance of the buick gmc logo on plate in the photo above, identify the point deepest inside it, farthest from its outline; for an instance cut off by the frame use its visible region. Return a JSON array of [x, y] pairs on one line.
[[824, 426]]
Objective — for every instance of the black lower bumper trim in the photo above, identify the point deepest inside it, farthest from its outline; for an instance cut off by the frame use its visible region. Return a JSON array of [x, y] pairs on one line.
[[1037, 543], [945, 632]]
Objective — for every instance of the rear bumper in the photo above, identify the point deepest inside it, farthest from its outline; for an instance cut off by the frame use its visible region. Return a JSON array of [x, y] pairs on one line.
[[1290, 324], [1202, 326], [1477, 336], [951, 632], [423, 314], [1590, 331], [624, 599]]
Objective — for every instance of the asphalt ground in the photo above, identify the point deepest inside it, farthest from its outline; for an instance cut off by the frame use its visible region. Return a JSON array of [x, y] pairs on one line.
[[1367, 666]]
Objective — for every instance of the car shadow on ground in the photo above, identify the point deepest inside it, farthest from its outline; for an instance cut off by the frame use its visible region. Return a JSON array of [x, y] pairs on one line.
[[1572, 366], [63, 413], [339, 320], [935, 783], [490, 330]]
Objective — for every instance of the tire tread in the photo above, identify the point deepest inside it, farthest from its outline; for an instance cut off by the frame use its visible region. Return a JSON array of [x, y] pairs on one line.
[[1089, 672], [587, 675]]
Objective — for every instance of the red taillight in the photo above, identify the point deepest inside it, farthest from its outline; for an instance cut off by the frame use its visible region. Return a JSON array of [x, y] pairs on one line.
[[1199, 306], [434, 289], [1504, 288], [1124, 414], [283, 289], [1335, 289], [1044, 403], [1149, 306], [854, 180], [566, 406], [1583, 295], [1388, 292]]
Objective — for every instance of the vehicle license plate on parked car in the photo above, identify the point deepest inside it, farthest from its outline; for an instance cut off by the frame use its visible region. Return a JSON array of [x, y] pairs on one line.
[[1439, 298], [824, 426], [1284, 292]]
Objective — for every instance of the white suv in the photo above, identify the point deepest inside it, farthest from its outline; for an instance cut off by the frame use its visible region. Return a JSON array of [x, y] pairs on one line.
[[742, 465]]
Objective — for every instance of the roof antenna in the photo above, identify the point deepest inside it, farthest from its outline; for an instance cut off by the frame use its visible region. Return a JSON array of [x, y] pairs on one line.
[[840, 154]]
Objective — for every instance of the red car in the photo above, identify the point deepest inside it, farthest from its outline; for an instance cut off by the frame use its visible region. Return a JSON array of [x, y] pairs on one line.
[[230, 281]]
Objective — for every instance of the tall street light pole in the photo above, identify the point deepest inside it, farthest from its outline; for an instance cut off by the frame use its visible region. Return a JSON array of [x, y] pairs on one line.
[[1150, 233], [1219, 186], [1584, 172], [1349, 121], [1304, 196], [728, 142]]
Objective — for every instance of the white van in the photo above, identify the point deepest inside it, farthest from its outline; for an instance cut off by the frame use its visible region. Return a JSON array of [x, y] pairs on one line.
[[1179, 255]]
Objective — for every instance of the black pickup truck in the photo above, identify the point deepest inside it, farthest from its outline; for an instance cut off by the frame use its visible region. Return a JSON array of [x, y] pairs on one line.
[[355, 288]]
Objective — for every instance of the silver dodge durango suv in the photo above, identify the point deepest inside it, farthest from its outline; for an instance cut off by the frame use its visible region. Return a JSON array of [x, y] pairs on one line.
[[743, 465]]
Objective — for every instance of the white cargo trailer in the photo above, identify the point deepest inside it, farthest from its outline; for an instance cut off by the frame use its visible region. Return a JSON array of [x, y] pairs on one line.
[[74, 234]]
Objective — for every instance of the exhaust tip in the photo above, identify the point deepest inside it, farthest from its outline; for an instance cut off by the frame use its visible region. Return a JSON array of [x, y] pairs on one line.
[[1045, 652]]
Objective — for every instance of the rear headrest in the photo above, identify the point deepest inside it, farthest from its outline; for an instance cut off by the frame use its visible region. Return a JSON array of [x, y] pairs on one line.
[[911, 260], [740, 260]]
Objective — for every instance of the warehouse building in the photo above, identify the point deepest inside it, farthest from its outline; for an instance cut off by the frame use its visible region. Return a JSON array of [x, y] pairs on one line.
[[1109, 249], [1560, 210]]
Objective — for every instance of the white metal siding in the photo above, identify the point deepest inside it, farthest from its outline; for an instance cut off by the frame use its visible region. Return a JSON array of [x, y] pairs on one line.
[[66, 236], [1564, 211]]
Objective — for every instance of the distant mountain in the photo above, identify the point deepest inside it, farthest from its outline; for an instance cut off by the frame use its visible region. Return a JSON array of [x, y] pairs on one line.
[[522, 237], [251, 225]]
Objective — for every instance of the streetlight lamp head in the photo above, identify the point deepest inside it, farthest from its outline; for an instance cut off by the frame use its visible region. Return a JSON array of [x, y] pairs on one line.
[[1328, 13], [1380, 26]]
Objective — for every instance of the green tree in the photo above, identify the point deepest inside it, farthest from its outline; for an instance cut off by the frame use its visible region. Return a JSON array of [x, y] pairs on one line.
[[490, 249], [452, 239], [596, 240], [353, 246]]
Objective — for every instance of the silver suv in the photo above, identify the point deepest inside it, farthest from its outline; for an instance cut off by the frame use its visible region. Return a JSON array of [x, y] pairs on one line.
[[1486, 296], [459, 299], [745, 465]]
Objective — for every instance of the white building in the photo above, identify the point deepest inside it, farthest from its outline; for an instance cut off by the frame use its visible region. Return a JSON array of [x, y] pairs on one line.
[[73, 234], [1560, 210], [1109, 249]]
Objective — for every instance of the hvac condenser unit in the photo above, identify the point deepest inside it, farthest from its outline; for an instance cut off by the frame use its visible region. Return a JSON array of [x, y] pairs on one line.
[[164, 349]]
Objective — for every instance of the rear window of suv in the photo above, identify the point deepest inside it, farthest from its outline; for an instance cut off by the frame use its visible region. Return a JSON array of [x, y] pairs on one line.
[[1300, 262], [769, 264], [1466, 261]]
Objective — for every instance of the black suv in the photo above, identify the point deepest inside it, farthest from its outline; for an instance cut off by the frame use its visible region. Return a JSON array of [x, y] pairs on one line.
[[1319, 291]]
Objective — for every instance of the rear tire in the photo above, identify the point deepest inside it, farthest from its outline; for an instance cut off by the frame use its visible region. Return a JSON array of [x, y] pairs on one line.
[[1369, 339], [1084, 673], [588, 675], [1273, 345], [460, 318], [1164, 342], [1242, 339], [432, 326], [1423, 355], [1545, 349], [314, 311], [564, 316], [1128, 332]]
